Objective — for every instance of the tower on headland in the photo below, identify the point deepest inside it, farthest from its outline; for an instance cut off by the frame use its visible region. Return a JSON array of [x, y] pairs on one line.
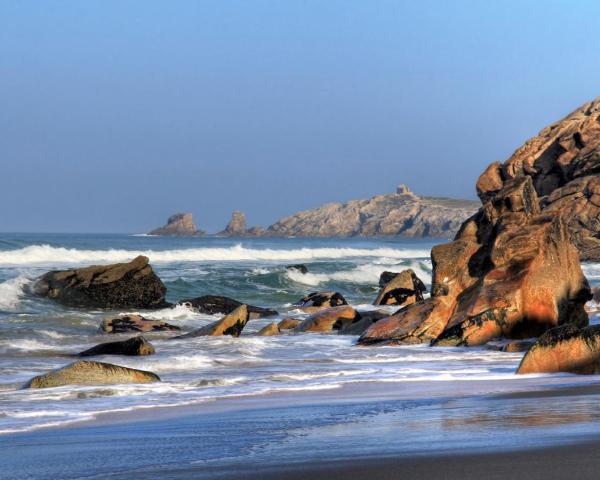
[[404, 190]]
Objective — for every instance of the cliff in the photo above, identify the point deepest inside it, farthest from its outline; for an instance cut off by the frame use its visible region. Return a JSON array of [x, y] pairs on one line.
[[178, 225]]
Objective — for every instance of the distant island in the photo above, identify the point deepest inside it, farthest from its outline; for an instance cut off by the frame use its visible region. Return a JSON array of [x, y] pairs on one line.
[[402, 213]]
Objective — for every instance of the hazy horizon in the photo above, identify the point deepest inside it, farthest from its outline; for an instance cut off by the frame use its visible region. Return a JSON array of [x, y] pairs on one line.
[[116, 115]]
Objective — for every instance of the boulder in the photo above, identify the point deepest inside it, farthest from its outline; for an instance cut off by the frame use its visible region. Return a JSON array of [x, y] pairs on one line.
[[517, 346], [122, 285], [84, 372], [268, 331], [213, 304], [178, 225], [329, 319], [299, 267], [288, 323], [316, 301], [232, 324], [512, 272], [564, 349], [405, 288], [132, 346], [366, 320], [135, 323]]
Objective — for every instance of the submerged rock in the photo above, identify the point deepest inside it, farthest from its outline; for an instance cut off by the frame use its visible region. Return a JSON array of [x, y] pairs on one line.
[[288, 323], [135, 323], [316, 301], [122, 285], [213, 304], [300, 267], [178, 225], [564, 349], [84, 372], [405, 288], [268, 331], [232, 324], [132, 346], [329, 319]]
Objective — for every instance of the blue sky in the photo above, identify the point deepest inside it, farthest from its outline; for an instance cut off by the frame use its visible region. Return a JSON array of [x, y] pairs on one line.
[[115, 114]]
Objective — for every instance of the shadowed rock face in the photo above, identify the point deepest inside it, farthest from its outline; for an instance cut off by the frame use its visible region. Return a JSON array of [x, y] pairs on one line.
[[563, 162], [232, 324], [564, 349], [86, 372], [122, 285], [288, 324], [132, 346], [511, 272], [178, 225]]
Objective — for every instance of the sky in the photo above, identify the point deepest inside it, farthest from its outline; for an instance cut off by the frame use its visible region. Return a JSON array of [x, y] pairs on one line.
[[115, 114]]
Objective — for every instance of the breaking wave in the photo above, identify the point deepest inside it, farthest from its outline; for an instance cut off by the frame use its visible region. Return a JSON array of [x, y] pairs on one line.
[[47, 254]]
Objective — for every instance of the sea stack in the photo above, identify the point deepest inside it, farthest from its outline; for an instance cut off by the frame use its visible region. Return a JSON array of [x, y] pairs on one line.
[[236, 226], [178, 225]]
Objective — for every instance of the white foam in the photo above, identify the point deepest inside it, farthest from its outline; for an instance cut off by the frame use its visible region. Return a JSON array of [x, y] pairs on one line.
[[46, 254], [11, 292], [367, 273]]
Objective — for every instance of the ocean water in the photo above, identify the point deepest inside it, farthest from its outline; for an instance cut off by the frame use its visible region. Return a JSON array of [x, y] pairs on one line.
[[37, 335]]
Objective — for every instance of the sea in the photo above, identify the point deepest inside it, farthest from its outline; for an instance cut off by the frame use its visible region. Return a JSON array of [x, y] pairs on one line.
[[337, 396]]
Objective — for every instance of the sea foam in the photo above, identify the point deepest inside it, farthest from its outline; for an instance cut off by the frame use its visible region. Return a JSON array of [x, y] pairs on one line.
[[11, 291]]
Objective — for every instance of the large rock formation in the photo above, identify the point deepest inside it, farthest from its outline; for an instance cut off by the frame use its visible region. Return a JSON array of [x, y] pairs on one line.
[[511, 272], [178, 225], [564, 349], [84, 372], [563, 161], [401, 213], [122, 285], [329, 319]]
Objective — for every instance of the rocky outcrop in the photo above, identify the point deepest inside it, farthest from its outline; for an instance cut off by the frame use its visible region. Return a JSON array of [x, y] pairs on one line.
[[316, 301], [132, 346], [232, 324], [401, 213], [135, 323], [269, 330], [359, 326], [517, 346], [329, 319], [563, 161], [122, 285], [178, 225], [511, 272], [564, 349], [215, 304], [404, 288], [84, 372]]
